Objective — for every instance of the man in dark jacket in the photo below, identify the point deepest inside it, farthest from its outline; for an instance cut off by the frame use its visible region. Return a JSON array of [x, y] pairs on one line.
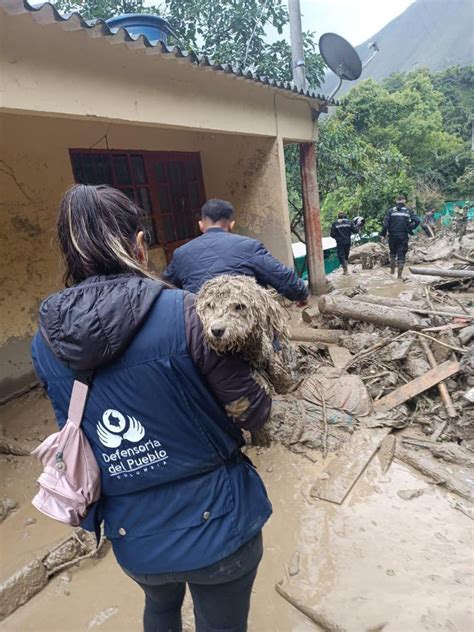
[[400, 222], [218, 251], [341, 231]]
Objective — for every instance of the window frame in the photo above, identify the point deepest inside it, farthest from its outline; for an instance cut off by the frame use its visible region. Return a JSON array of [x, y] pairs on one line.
[[150, 161]]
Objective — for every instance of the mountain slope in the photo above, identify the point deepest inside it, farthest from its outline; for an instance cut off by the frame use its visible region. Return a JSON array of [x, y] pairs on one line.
[[432, 34]]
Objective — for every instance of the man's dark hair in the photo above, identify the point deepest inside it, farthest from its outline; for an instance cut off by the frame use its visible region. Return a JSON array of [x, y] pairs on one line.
[[217, 210], [341, 215], [401, 198]]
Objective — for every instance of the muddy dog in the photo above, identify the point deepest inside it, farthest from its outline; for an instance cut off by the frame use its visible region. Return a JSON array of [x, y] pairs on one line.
[[240, 316]]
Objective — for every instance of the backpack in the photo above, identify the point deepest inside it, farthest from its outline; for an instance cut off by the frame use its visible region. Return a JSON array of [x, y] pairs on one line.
[[70, 480]]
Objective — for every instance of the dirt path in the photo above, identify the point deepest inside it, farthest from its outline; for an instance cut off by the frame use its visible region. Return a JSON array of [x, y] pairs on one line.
[[376, 562]]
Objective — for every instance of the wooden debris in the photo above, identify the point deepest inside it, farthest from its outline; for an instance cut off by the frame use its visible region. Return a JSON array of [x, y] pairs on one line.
[[21, 587], [12, 447], [442, 388], [307, 334], [448, 327], [386, 452], [322, 620], [366, 312], [416, 386], [309, 313], [441, 272], [32, 578], [440, 472], [340, 356], [294, 567], [417, 308], [344, 471], [461, 258]]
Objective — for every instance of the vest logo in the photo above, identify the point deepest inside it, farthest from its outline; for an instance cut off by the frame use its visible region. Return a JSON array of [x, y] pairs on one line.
[[114, 428]]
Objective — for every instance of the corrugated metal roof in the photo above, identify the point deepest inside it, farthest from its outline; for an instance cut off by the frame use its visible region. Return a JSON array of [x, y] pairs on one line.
[[47, 14]]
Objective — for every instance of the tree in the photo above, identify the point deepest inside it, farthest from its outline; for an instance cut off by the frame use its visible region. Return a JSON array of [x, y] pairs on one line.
[[94, 9], [393, 137], [228, 31]]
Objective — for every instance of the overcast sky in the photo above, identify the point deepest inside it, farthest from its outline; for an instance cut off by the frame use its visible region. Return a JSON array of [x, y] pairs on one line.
[[356, 20]]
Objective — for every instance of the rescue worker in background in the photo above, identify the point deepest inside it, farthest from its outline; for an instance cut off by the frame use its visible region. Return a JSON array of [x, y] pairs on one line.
[[341, 230], [219, 251], [400, 222]]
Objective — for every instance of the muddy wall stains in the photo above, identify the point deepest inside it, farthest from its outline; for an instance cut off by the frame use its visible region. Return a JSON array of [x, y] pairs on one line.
[[35, 169]]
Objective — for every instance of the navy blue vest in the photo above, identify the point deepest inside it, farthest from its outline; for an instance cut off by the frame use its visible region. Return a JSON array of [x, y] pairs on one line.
[[176, 493]]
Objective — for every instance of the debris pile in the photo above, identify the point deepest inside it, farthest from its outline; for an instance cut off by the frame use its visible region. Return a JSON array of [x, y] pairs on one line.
[[402, 363]]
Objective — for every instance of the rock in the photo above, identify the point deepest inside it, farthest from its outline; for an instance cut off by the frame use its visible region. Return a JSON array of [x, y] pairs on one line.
[[21, 586], [30, 521], [7, 505], [469, 395], [390, 572]]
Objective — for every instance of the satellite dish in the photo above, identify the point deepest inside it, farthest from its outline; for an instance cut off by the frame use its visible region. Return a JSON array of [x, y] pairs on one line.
[[340, 56]]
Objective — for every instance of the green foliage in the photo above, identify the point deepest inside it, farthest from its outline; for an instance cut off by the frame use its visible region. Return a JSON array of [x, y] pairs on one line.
[[93, 9], [228, 31], [404, 135], [235, 31]]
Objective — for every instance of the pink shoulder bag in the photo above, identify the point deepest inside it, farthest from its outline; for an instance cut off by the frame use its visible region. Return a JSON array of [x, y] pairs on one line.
[[70, 480]]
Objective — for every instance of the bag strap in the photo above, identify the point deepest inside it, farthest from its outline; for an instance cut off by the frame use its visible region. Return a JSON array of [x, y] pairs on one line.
[[77, 404]]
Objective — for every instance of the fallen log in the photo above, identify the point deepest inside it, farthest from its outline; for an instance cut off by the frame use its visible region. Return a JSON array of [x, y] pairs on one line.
[[309, 313], [442, 388], [455, 274], [307, 334], [416, 386], [465, 259], [368, 313], [388, 302], [442, 473], [414, 307]]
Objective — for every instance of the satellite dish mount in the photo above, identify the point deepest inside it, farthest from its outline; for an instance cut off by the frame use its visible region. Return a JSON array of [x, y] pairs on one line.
[[342, 58]]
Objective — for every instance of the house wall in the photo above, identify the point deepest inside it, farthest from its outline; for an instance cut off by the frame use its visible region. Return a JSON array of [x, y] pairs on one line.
[[35, 170], [52, 70]]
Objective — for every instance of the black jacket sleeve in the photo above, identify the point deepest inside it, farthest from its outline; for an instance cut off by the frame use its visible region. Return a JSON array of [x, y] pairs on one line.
[[270, 271], [414, 220], [386, 223], [333, 230], [228, 376]]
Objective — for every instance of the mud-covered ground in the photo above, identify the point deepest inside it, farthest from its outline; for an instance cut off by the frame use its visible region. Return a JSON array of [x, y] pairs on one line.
[[386, 559], [396, 556]]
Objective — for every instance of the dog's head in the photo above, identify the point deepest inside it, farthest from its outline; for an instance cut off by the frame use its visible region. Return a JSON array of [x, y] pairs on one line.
[[232, 310]]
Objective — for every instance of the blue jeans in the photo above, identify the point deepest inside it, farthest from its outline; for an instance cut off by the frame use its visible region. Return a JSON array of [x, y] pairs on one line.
[[220, 592]]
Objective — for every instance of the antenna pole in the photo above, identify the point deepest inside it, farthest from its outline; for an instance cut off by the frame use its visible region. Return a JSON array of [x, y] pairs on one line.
[[297, 51], [309, 180]]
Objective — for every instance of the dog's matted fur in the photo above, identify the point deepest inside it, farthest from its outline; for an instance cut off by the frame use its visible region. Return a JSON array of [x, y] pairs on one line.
[[240, 316]]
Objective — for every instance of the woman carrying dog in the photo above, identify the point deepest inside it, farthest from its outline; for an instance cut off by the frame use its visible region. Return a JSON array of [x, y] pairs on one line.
[[179, 502]]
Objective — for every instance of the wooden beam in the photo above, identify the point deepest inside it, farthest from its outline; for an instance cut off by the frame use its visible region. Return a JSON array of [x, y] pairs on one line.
[[416, 386]]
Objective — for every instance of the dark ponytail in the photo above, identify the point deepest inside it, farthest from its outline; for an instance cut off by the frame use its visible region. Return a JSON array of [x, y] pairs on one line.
[[97, 230]]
